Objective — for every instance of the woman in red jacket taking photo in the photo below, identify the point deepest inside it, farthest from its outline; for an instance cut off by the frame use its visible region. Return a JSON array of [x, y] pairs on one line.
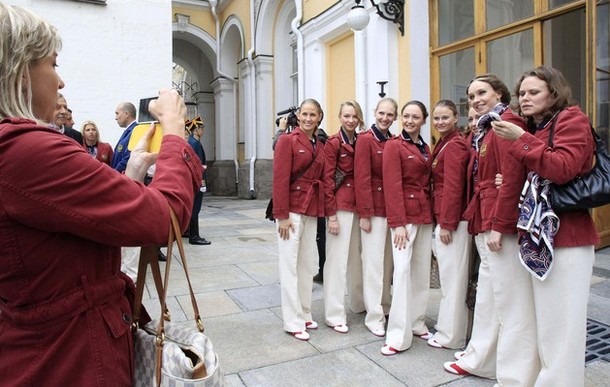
[[560, 272], [406, 186], [298, 200]]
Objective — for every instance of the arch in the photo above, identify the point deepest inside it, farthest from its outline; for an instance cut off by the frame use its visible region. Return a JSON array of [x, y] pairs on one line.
[[232, 42], [266, 24]]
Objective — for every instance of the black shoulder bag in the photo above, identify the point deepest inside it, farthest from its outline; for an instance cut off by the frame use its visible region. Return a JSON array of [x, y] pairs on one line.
[[588, 191]]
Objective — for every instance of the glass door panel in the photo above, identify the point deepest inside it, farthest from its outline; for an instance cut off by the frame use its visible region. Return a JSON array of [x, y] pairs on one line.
[[502, 12], [509, 57], [455, 20], [564, 49], [456, 71]]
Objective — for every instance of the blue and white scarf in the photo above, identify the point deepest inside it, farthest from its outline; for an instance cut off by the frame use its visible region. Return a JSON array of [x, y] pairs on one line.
[[538, 225]]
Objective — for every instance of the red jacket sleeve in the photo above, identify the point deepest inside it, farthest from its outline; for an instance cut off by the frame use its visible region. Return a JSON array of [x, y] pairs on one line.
[[362, 176], [331, 150]]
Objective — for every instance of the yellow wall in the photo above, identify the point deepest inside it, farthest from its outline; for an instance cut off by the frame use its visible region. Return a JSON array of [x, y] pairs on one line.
[[241, 10], [404, 66], [340, 79], [312, 8], [201, 19], [205, 20]]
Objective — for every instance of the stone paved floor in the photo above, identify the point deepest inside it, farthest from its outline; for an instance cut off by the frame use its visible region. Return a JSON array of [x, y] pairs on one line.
[[236, 283]]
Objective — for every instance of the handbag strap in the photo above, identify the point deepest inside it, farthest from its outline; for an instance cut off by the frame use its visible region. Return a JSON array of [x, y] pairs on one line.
[[148, 255], [599, 144]]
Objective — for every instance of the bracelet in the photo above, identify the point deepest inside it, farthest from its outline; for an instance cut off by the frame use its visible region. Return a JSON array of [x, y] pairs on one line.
[[332, 220]]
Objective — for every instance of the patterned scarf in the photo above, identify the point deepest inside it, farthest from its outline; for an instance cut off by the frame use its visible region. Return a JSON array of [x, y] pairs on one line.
[[538, 225], [483, 124]]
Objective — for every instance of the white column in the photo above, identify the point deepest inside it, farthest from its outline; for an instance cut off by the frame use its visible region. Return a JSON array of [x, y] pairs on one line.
[[225, 109]]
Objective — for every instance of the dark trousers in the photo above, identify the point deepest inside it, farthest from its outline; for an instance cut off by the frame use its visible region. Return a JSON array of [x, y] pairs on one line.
[[321, 242]]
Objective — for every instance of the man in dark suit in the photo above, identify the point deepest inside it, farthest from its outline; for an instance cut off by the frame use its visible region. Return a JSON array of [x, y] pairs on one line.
[[62, 114]]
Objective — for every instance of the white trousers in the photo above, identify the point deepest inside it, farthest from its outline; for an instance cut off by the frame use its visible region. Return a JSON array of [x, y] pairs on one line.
[[561, 317], [376, 272], [453, 266], [410, 287], [298, 263], [343, 266], [517, 362], [130, 259]]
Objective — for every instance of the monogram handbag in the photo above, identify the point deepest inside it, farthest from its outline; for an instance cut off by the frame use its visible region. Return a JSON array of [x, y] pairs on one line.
[[587, 191], [166, 353]]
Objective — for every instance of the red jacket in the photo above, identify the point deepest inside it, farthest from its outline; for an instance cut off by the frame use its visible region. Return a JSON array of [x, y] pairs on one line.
[[406, 183], [449, 163], [339, 154], [368, 165], [64, 316], [297, 176], [491, 208], [104, 153], [571, 156]]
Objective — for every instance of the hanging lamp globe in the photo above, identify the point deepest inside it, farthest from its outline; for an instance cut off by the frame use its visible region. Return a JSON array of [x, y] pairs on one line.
[[358, 18]]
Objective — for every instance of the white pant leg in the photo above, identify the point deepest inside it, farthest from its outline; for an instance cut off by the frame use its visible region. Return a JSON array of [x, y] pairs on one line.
[[338, 249], [480, 354], [354, 269], [388, 273], [373, 249], [513, 299], [130, 259], [453, 266], [399, 334], [420, 275], [561, 317], [297, 266]]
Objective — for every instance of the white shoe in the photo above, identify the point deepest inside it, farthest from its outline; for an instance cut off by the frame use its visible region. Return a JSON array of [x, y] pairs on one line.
[[378, 332], [341, 328], [435, 344], [426, 336], [311, 325], [457, 355], [304, 336]]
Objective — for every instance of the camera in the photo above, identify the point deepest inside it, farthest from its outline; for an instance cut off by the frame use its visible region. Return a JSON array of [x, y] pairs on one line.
[[291, 118], [143, 112]]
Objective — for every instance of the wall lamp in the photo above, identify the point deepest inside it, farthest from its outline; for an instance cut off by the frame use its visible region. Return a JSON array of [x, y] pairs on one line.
[[392, 10]]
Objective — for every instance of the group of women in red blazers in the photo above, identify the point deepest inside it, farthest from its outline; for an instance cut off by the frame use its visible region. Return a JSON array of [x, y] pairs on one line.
[[388, 198]]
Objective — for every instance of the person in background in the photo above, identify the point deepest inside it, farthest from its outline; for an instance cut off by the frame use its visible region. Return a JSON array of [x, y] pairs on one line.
[[473, 117], [298, 200], [69, 119], [343, 264], [406, 185], [62, 114], [196, 128], [371, 208], [66, 309], [453, 243], [499, 331], [125, 116], [559, 273], [101, 151]]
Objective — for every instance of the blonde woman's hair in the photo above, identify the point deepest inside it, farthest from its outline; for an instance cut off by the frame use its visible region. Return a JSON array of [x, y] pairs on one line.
[[357, 108], [26, 39]]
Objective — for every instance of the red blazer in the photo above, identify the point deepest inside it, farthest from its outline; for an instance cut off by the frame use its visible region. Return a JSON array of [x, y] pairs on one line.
[[368, 165], [339, 154], [571, 156], [406, 183], [104, 153], [63, 300], [296, 156], [491, 208], [449, 164]]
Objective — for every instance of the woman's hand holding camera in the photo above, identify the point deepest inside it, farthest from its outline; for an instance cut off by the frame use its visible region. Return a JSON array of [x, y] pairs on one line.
[[169, 109]]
